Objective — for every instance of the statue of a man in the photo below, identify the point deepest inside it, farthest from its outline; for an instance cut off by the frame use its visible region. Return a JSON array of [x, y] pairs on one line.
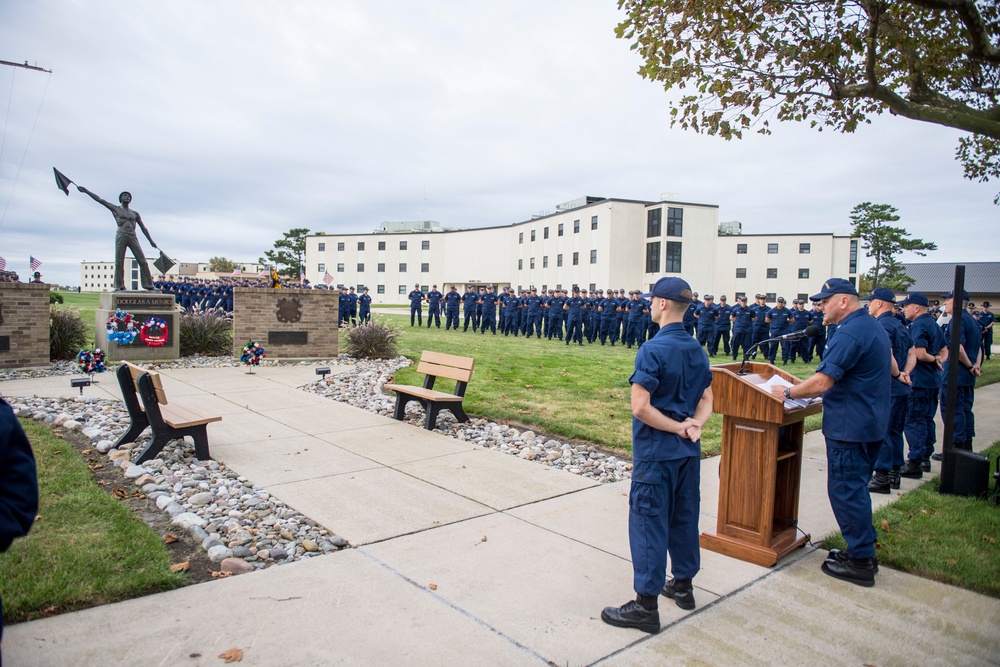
[[126, 238]]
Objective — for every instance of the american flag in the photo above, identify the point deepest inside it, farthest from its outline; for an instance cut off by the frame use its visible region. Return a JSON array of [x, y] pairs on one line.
[[237, 271], [34, 263], [327, 278], [3, 264]]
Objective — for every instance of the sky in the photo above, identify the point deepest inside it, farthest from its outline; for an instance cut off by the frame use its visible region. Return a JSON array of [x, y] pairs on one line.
[[233, 122]]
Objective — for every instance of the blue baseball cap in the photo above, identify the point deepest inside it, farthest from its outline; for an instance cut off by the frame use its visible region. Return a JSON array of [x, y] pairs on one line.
[[672, 289], [881, 294], [915, 298], [965, 295], [835, 286]]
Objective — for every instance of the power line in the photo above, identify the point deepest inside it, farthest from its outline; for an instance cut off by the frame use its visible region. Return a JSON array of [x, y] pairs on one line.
[[38, 113]]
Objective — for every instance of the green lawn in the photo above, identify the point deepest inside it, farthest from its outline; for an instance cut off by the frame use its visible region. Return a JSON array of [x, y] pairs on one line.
[[943, 537], [86, 548], [86, 303]]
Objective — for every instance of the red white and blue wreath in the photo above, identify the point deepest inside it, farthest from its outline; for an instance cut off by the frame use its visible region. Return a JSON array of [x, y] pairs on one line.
[[121, 327], [153, 332], [91, 361], [253, 352]]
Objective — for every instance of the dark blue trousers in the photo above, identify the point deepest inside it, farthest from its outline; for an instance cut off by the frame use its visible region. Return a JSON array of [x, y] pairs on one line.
[[920, 430], [849, 469], [965, 422], [418, 311], [451, 319], [742, 339], [663, 506], [890, 454]]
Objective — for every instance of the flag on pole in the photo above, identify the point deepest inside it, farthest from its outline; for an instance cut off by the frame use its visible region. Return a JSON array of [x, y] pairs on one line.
[[3, 264], [34, 263], [302, 275], [61, 181], [328, 278], [237, 271]]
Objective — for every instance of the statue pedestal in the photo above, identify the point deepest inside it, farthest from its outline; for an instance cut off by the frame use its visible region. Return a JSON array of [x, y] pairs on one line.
[[141, 306]]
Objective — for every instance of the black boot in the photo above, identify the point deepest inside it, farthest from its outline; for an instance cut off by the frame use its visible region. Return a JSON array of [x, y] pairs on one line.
[[681, 591], [925, 465], [632, 615], [879, 483], [912, 470], [837, 554], [860, 571], [894, 478]]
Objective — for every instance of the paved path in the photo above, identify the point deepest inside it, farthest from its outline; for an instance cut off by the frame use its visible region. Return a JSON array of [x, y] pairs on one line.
[[468, 556]]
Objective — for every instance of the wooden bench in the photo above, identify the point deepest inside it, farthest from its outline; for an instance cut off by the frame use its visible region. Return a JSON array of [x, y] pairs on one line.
[[166, 421], [434, 365]]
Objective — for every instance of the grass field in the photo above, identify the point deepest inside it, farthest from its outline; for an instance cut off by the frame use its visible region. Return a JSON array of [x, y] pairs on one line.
[[86, 548], [85, 303]]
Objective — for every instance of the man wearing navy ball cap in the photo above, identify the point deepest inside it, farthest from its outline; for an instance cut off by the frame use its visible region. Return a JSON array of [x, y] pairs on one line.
[[671, 400], [854, 379]]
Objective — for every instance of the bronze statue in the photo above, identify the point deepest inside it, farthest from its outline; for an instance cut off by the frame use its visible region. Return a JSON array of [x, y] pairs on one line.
[[126, 238]]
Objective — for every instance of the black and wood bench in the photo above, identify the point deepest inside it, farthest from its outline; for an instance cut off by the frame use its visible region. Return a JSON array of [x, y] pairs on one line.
[[434, 365], [166, 421]]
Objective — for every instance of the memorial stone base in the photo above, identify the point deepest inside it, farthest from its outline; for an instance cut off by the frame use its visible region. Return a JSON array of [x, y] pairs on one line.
[[291, 324], [142, 306], [24, 325]]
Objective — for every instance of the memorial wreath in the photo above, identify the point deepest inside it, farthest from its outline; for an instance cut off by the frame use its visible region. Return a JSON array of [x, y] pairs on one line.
[[153, 332], [91, 361], [121, 327], [253, 352]]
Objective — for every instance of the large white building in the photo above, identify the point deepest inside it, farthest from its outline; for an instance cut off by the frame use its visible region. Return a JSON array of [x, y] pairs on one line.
[[100, 276], [590, 242]]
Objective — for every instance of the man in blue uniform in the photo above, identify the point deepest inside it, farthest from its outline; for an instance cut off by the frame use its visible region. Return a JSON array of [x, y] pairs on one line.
[[416, 305], [556, 315], [574, 318], [534, 308], [800, 322], [854, 379], [352, 304], [365, 306], [343, 307], [451, 301], [434, 307], [608, 310], [742, 317], [986, 321], [671, 400], [881, 306], [18, 483], [931, 353], [722, 326], [760, 324], [469, 299], [779, 319], [970, 359], [488, 315], [706, 314], [635, 327], [817, 343], [689, 319]]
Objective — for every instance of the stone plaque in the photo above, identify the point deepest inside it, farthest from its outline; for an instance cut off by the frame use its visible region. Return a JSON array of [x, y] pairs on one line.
[[287, 337], [4, 343], [130, 301]]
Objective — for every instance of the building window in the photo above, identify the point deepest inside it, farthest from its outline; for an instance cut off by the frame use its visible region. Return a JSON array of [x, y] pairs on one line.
[[741, 248], [772, 248], [654, 219], [425, 245], [803, 297], [520, 265], [402, 289], [321, 268], [593, 222], [673, 257], [854, 258], [741, 273], [425, 267], [340, 246], [675, 222], [381, 267], [653, 257], [520, 237], [381, 245], [340, 268], [322, 247], [402, 267], [545, 262], [576, 259], [558, 260], [402, 245], [531, 263], [804, 248], [772, 273], [576, 226], [739, 294], [545, 233], [380, 289], [361, 245], [532, 234], [559, 232], [593, 257], [803, 273], [361, 268], [769, 297]]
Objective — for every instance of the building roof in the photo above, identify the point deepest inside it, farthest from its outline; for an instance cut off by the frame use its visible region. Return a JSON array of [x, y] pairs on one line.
[[939, 277]]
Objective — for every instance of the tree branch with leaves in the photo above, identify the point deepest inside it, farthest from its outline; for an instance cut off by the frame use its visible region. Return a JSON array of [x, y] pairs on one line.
[[883, 243], [289, 252]]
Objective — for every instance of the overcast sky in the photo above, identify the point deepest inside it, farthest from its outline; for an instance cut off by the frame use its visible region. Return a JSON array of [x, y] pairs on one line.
[[233, 122]]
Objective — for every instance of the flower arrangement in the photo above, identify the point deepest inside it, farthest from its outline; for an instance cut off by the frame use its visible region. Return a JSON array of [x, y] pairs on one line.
[[121, 327], [253, 352], [91, 361], [153, 332]]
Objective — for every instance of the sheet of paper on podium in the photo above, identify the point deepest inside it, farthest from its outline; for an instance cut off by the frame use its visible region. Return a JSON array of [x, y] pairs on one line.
[[790, 403]]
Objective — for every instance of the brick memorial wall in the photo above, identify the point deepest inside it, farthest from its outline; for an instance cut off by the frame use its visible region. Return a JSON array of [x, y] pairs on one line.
[[289, 323], [24, 325]]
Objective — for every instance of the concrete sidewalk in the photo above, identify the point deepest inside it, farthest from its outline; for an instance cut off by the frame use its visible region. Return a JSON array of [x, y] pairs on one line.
[[465, 555]]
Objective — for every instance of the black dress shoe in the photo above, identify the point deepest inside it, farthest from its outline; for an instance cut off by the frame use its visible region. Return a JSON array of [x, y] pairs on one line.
[[681, 591], [860, 571], [925, 465], [894, 478], [632, 615], [837, 554], [937, 456], [879, 483], [911, 470]]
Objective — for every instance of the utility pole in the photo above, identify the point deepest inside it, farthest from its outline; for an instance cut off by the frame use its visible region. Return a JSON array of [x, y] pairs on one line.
[[26, 66]]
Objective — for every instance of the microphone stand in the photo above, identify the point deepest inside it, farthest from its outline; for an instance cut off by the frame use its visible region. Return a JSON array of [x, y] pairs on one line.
[[795, 335]]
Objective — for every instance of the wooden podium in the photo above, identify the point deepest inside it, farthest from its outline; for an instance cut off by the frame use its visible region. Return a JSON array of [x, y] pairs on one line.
[[760, 467]]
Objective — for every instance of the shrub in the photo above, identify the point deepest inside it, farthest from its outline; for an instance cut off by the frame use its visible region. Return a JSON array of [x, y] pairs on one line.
[[55, 297], [371, 340], [67, 334], [206, 332]]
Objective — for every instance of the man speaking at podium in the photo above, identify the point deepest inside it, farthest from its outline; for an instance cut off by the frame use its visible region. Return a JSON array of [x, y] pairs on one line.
[[854, 379], [671, 400]]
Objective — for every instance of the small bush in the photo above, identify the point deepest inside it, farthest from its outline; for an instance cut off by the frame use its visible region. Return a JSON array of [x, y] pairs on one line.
[[206, 332], [55, 297], [372, 340], [67, 334]]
